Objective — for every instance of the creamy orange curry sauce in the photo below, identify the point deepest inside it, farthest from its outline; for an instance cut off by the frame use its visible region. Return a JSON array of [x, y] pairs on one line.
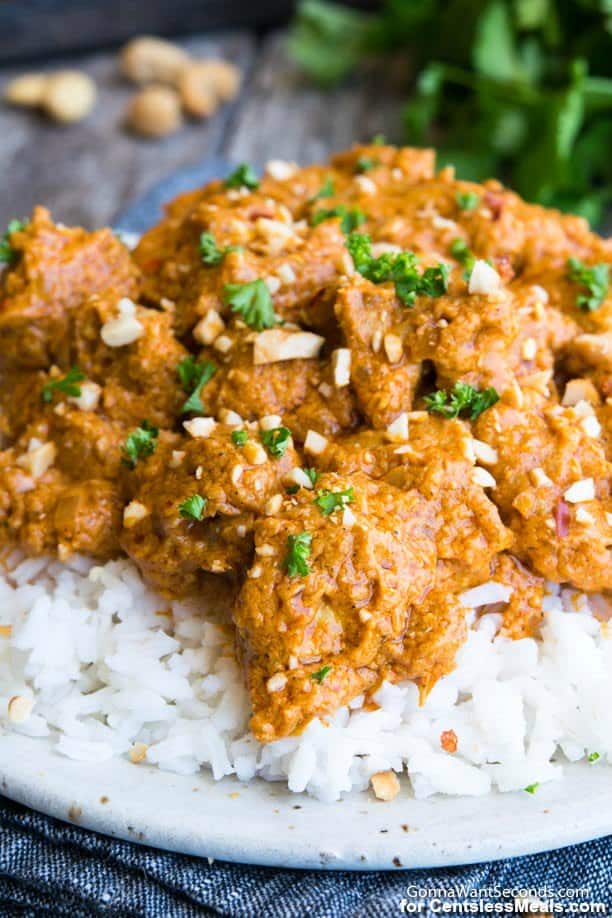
[[354, 391]]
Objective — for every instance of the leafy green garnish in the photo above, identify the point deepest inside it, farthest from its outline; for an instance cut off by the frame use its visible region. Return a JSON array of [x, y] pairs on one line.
[[532, 788], [193, 507], [7, 252], [467, 200], [325, 191], [596, 279], [253, 302], [242, 177], [276, 440], [460, 250], [139, 443], [312, 474], [328, 501], [193, 377], [516, 88], [239, 437], [593, 757], [399, 267], [351, 217], [210, 252], [320, 675], [365, 163], [68, 385], [462, 399], [298, 552]]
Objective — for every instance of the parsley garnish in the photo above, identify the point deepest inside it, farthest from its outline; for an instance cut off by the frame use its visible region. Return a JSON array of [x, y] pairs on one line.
[[460, 250], [313, 475], [139, 443], [399, 267], [253, 302], [239, 437], [320, 675], [242, 177], [210, 252], [467, 200], [350, 218], [298, 552], [532, 788], [7, 252], [193, 508], [68, 384], [276, 440], [193, 377], [325, 191], [461, 398], [593, 757], [328, 501], [596, 279], [365, 163]]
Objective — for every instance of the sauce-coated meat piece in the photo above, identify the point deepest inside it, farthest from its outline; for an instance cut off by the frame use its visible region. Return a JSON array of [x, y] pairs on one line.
[[314, 633], [56, 269]]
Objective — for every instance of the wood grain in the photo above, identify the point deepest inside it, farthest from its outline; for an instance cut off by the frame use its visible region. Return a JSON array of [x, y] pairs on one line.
[[87, 172]]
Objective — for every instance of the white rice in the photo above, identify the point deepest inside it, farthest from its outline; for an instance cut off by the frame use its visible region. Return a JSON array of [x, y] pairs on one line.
[[105, 670]]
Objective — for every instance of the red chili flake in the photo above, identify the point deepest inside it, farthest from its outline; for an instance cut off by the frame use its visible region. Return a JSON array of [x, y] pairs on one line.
[[562, 518], [504, 268], [449, 741], [495, 203]]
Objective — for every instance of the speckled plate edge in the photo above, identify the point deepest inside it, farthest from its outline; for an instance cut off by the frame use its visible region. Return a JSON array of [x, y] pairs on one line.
[[263, 823]]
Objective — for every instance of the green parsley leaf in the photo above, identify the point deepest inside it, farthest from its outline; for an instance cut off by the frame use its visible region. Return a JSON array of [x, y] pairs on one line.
[[68, 384], [193, 507], [193, 377], [596, 279], [8, 254], [399, 267], [351, 218], [242, 177], [253, 302], [462, 398], [532, 788], [467, 200], [210, 252], [298, 552], [321, 674], [328, 501], [239, 437], [460, 250], [313, 475], [276, 440], [325, 191], [593, 757], [365, 163], [139, 443]]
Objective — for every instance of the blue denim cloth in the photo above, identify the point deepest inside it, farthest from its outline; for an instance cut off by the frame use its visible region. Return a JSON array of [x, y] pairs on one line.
[[50, 868]]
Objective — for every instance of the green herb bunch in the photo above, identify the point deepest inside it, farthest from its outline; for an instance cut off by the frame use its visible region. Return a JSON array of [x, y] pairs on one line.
[[515, 88]]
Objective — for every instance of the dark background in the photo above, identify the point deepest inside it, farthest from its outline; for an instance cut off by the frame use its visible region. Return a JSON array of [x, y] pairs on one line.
[[48, 27]]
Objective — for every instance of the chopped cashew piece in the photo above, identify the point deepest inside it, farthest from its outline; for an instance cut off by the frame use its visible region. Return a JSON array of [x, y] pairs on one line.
[[385, 785], [200, 427], [398, 430], [209, 327], [315, 443], [580, 492], [125, 329], [276, 344], [483, 478], [341, 366], [484, 279], [89, 398], [38, 459], [134, 513], [276, 683]]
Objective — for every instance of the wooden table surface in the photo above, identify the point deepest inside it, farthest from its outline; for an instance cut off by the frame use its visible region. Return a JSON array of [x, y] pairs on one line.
[[87, 172]]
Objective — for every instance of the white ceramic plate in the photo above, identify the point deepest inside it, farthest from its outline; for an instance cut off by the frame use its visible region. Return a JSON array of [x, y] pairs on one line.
[[263, 823]]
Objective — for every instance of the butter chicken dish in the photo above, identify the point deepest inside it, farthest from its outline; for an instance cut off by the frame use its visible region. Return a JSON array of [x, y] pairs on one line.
[[313, 484]]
